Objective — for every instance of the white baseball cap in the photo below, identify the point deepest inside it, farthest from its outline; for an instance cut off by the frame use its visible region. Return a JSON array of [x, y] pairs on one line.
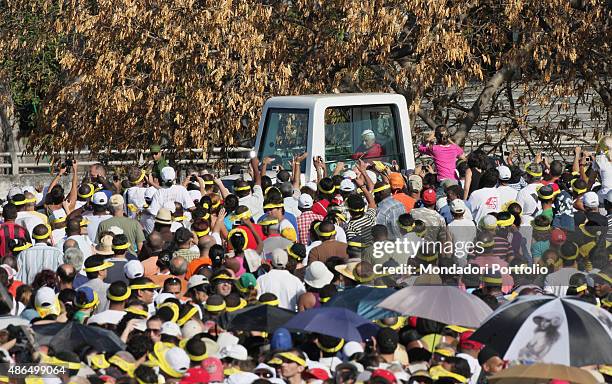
[[168, 174], [590, 200], [171, 328], [45, 297], [178, 359], [160, 298], [279, 258], [236, 351], [197, 280], [351, 348], [99, 198], [347, 185], [350, 174], [457, 206], [305, 201], [133, 269], [504, 173]]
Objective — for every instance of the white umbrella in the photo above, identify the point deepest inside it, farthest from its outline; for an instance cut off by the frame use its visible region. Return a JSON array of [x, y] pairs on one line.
[[445, 304]]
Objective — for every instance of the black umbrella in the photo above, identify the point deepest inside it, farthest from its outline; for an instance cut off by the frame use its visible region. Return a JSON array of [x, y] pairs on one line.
[[548, 329], [73, 336], [262, 317]]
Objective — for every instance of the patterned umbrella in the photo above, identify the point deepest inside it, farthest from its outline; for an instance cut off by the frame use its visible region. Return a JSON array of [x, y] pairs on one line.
[[548, 329]]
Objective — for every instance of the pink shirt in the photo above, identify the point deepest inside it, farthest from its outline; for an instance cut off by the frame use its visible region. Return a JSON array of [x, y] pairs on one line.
[[445, 157]]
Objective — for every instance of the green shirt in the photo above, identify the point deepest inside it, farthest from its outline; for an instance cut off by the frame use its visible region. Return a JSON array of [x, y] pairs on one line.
[[131, 229], [548, 213], [158, 166]]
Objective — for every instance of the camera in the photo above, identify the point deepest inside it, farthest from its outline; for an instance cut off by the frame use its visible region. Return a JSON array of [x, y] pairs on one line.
[[193, 178]]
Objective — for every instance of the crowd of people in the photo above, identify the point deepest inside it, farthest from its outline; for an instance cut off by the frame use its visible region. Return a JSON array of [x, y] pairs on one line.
[[161, 261]]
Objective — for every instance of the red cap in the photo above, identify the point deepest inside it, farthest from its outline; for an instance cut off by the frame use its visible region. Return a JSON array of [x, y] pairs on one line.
[[429, 196], [465, 343], [316, 373], [555, 381], [384, 374], [557, 236], [196, 375]]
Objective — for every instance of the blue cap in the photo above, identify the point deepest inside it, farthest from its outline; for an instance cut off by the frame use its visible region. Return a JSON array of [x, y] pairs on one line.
[[281, 340], [84, 296]]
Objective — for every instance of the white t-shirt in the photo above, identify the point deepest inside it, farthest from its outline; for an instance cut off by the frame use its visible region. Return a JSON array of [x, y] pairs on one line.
[[484, 201], [85, 244], [134, 197], [604, 166], [94, 223], [284, 285], [57, 235], [462, 231], [173, 194], [291, 206], [28, 220], [506, 194], [474, 367], [528, 199]]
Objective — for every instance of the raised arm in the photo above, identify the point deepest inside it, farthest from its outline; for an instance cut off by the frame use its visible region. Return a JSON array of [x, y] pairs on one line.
[[224, 191], [297, 170], [362, 185], [366, 179], [256, 172], [56, 179]]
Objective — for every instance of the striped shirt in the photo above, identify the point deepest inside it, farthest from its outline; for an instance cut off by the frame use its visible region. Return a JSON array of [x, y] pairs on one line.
[[362, 226], [35, 259], [389, 211]]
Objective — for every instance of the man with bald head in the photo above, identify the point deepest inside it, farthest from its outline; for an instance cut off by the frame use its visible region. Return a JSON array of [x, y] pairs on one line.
[[178, 267], [151, 249], [66, 274], [204, 245], [73, 233]]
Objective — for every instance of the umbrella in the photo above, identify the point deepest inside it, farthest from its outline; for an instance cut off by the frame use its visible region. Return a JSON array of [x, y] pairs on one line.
[[538, 373], [445, 304], [363, 300], [338, 322], [549, 329], [73, 335], [264, 318]]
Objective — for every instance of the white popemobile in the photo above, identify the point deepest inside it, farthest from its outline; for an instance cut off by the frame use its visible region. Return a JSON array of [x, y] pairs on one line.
[[336, 127]]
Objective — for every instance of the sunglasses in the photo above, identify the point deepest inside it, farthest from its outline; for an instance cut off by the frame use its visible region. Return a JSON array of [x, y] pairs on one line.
[[154, 331], [154, 153]]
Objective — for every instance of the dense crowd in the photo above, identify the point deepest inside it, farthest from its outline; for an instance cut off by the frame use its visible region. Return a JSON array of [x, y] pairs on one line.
[[157, 268]]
